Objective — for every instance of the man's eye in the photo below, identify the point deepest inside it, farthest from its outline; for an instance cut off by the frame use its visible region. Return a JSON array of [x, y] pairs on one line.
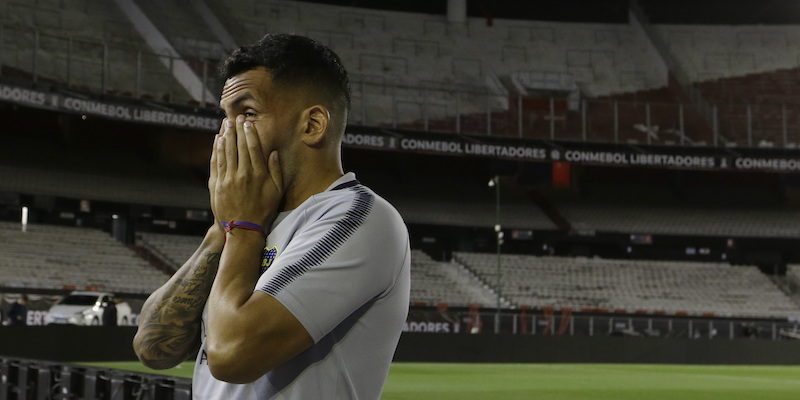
[[249, 114]]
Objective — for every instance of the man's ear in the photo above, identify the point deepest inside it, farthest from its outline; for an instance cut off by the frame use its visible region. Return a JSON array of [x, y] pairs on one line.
[[317, 119]]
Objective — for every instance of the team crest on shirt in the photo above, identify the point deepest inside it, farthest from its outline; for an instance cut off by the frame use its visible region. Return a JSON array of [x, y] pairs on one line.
[[268, 257]]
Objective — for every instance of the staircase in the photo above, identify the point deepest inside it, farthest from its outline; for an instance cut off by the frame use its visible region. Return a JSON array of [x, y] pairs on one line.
[[679, 82], [788, 286], [154, 260], [550, 211]]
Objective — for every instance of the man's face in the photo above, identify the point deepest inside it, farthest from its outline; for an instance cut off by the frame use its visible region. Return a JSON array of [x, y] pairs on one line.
[[253, 95]]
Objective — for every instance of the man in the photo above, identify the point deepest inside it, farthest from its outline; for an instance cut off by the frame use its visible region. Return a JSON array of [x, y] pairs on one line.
[[18, 311], [315, 310], [110, 312]]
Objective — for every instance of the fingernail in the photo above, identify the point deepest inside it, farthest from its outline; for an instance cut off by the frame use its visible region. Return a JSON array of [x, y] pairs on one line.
[[248, 124], [239, 118]]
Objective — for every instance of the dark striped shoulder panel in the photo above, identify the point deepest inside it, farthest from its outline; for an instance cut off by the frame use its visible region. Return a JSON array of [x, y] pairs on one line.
[[347, 184], [330, 242]]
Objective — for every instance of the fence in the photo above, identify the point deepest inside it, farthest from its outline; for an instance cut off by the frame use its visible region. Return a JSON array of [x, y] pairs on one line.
[[564, 323]]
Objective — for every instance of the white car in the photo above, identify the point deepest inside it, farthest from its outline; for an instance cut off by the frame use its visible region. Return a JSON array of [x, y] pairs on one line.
[[86, 308]]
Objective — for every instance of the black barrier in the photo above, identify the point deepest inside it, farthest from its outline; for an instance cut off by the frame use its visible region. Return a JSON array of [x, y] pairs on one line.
[[75, 343], [68, 342], [23, 379], [32, 379]]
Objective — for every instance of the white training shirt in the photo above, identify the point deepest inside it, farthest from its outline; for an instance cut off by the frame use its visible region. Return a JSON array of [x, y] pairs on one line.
[[340, 263]]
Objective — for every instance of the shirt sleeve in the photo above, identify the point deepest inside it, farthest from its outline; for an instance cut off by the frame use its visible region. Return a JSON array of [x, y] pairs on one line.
[[334, 265]]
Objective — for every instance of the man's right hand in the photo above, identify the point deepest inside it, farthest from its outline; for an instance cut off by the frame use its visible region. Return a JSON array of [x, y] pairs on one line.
[[212, 176]]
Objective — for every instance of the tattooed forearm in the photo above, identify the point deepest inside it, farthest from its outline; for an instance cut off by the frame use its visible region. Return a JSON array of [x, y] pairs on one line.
[[190, 303], [163, 354], [199, 285], [169, 324]]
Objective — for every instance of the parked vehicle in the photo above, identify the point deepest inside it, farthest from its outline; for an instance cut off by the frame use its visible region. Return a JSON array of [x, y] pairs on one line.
[[86, 308]]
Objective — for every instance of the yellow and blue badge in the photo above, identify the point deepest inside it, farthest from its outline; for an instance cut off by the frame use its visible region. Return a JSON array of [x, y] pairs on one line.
[[268, 258]]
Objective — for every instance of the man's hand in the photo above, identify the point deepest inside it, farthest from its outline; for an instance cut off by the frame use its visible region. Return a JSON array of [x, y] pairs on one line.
[[249, 186], [212, 176]]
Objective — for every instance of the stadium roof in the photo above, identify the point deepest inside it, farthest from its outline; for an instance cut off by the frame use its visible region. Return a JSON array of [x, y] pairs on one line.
[[724, 12]]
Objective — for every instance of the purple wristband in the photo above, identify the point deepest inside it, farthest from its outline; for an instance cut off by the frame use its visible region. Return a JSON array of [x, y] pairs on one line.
[[229, 226]]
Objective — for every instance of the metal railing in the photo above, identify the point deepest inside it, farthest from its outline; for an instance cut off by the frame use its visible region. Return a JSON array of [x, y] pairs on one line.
[[692, 327]]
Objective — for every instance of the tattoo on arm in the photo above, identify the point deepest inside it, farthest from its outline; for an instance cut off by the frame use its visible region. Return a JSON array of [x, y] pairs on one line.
[[169, 325]]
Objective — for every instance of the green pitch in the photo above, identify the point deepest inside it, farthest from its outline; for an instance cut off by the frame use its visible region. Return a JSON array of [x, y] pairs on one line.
[[419, 381]]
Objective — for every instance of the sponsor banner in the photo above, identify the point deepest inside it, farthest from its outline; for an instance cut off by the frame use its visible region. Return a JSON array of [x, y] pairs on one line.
[[639, 159], [431, 327], [111, 110], [455, 146], [530, 152], [767, 164], [432, 321], [579, 153], [369, 140], [523, 152], [27, 97]]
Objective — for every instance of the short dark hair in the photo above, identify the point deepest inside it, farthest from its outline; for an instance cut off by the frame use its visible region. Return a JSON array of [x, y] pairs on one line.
[[293, 60]]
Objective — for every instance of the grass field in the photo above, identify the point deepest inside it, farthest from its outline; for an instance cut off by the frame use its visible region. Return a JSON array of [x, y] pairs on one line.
[[572, 381]]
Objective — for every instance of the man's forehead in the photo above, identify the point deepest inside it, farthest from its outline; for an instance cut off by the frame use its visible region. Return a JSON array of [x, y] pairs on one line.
[[249, 84]]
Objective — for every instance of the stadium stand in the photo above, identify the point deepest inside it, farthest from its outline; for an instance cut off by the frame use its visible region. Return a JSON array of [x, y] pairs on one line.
[[724, 51], [546, 80], [458, 201], [793, 273], [655, 286], [446, 282], [179, 23], [702, 205], [173, 249], [769, 98], [630, 285], [619, 61], [432, 282], [54, 257], [84, 18], [52, 168], [103, 187], [675, 220], [450, 78], [415, 71], [74, 44]]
